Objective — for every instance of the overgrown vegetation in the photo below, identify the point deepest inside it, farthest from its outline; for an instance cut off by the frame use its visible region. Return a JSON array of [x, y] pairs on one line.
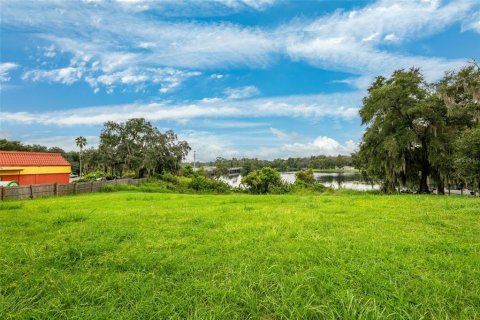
[[160, 256]]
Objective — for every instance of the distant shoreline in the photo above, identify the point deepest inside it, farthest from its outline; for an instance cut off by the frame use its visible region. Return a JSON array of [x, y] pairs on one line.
[[336, 170]]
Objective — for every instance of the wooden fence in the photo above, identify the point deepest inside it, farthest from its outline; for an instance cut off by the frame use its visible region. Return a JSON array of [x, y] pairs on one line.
[[60, 189]]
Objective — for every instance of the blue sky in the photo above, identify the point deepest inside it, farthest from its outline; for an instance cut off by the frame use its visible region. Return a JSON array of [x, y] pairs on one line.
[[267, 78]]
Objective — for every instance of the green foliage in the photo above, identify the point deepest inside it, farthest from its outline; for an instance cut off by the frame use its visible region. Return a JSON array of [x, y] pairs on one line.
[[136, 255], [203, 184], [92, 176], [187, 171], [300, 187], [7, 145], [169, 177], [412, 127], [305, 176], [263, 181], [468, 157], [139, 146]]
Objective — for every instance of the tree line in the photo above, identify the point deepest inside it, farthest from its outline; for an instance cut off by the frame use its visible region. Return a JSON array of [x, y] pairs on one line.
[[420, 134], [248, 165]]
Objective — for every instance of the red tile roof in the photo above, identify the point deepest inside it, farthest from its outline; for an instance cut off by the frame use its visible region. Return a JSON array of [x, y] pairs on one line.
[[31, 159]]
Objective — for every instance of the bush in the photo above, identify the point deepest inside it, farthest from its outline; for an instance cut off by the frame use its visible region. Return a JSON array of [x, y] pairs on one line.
[[265, 180], [305, 176], [187, 171], [93, 176], [202, 184], [168, 177], [282, 188]]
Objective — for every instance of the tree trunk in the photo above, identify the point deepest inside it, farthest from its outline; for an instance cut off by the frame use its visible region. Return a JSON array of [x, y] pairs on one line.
[[425, 170], [438, 182], [440, 186], [423, 179], [389, 187]]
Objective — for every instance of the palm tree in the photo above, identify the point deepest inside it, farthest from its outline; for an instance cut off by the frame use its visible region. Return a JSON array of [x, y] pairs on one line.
[[81, 142]]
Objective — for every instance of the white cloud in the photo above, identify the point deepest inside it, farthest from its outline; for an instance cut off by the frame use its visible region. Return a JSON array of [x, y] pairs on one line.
[[321, 145], [189, 7], [242, 92], [168, 78], [5, 68], [391, 37], [254, 4], [282, 135], [342, 106], [209, 146], [126, 39], [362, 82], [472, 23], [370, 37], [350, 41], [67, 75], [229, 124], [216, 76], [127, 42]]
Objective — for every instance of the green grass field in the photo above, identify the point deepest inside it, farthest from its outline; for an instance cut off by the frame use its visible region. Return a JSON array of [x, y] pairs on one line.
[[131, 255]]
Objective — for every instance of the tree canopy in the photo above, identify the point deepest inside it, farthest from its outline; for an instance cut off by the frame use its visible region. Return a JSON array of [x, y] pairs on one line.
[[416, 132], [137, 146]]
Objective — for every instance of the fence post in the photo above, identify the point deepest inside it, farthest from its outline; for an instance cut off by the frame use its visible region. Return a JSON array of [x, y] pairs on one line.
[[91, 187], [55, 189], [31, 191], [1, 193], [75, 188]]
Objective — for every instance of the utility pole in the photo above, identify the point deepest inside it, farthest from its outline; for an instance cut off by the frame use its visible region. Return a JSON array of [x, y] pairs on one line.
[[194, 158]]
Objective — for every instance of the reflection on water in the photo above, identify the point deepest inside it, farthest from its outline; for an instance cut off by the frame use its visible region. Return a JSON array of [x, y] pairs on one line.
[[336, 180], [348, 180]]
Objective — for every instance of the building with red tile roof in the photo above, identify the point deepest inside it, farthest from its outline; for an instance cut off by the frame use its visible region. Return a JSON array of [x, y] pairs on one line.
[[33, 167]]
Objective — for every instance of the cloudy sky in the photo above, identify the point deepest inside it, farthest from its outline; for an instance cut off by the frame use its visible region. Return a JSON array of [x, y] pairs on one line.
[[266, 78]]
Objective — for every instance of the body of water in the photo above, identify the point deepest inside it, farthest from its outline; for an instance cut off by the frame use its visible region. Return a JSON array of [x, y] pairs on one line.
[[348, 180]]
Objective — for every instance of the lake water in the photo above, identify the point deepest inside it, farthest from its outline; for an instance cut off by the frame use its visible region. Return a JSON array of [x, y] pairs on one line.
[[348, 180]]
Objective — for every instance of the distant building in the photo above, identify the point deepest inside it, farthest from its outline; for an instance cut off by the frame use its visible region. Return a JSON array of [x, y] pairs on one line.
[[33, 167], [234, 171]]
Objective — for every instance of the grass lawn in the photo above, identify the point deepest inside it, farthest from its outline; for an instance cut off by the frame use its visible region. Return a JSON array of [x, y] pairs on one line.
[[131, 255]]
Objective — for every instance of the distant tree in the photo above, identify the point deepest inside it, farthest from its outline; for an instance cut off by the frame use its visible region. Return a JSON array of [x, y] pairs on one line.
[[56, 150], [138, 146], [81, 142], [7, 145]]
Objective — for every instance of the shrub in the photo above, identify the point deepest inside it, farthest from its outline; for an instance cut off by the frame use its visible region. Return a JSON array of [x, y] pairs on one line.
[[187, 171], [282, 188], [305, 176], [201, 183], [262, 181], [92, 176], [168, 177]]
